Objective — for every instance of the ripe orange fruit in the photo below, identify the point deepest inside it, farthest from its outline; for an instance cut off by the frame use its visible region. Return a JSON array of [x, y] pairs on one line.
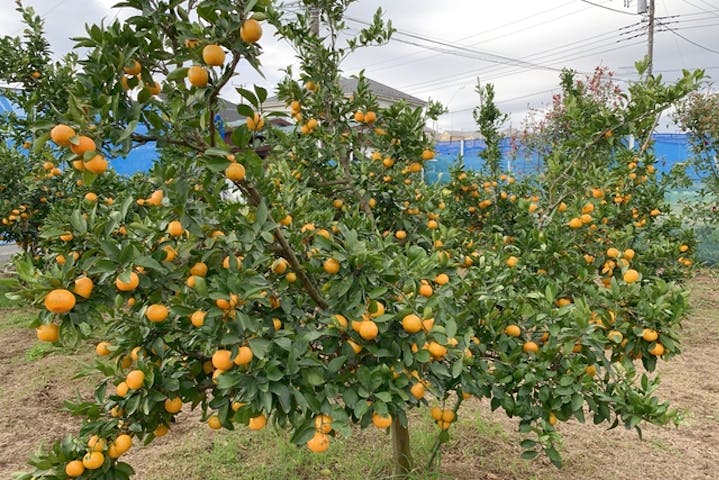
[[122, 389], [513, 331], [198, 318], [199, 269], [48, 332], [235, 172], [615, 336], [417, 390], [628, 254], [97, 165], [530, 347], [552, 419], [370, 117], [222, 359], [425, 290], [512, 261], [436, 413], [130, 285], [244, 356], [441, 279], [84, 144], [251, 31], [255, 123], [356, 348], [427, 324], [123, 443], [368, 329], [650, 335], [411, 323], [175, 228], [83, 287], [102, 349], [161, 430], [59, 301], [198, 76], [613, 253], [91, 197], [74, 468], [427, 154], [157, 313], [319, 443], [61, 135], [155, 88], [258, 422], [323, 423], [213, 55], [133, 68], [214, 422], [135, 379], [575, 223], [448, 415], [400, 234], [331, 266], [657, 350], [173, 405], [591, 370], [376, 309], [436, 350], [381, 421], [280, 266], [631, 276], [93, 460]]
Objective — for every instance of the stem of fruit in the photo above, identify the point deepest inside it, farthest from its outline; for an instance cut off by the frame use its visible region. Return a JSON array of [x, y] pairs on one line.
[[402, 456]]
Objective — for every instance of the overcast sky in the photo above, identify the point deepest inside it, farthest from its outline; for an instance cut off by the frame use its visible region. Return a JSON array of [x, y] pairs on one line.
[[442, 47]]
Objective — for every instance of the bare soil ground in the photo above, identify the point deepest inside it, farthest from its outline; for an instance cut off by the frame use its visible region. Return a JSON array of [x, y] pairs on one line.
[[37, 379]]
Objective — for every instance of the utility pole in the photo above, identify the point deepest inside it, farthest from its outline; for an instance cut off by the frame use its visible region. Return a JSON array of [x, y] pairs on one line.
[[650, 38], [315, 21]]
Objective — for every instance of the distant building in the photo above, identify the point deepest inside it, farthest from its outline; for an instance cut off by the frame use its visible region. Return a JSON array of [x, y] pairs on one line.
[[385, 94]]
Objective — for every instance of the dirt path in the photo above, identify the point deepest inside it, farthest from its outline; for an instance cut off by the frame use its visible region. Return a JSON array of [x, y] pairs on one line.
[[484, 445]]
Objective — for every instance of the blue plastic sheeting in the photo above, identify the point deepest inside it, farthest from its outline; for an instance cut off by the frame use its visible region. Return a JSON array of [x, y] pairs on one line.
[[669, 149]]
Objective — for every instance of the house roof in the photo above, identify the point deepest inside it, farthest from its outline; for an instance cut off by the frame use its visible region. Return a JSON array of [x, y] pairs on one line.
[[382, 91], [228, 111]]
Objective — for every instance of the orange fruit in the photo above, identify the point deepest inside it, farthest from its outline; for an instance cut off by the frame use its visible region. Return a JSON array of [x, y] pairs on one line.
[[441, 279], [370, 117], [135, 379], [175, 228], [436, 350], [575, 223], [61, 135], [59, 301], [198, 76], [427, 154], [133, 68], [513, 331], [368, 329], [280, 266], [631, 276], [628, 254], [198, 318], [613, 252], [448, 415], [122, 389], [155, 88], [411, 323], [91, 197], [48, 332], [251, 31], [400, 234], [102, 349], [381, 421], [83, 287], [650, 335], [123, 443], [93, 460], [96, 444], [356, 348], [376, 309], [235, 172], [530, 347], [157, 313], [436, 413], [97, 165], [258, 422], [657, 350], [319, 443], [199, 269], [417, 390], [244, 356], [84, 144], [552, 419], [213, 55], [331, 266], [591, 370], [255, 123], [323, 423], [74, 468], [512, 261], [130, 285], [427, 324], [222, 359], [615, 336], [161, 430], [173, 405], [425, 290], [214, 422]]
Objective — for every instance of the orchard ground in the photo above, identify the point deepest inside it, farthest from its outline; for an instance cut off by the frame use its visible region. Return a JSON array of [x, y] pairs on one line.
[[38, 377]]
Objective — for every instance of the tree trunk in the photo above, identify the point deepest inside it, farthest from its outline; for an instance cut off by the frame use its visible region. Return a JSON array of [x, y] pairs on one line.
[[402, 458]]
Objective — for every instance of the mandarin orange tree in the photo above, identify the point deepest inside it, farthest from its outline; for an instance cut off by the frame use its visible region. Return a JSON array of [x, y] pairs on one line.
[[310, 280]]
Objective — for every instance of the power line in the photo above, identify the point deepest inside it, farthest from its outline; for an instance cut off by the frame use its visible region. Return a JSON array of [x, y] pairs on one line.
[[701, 9], [608, 8], [690, 40]]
